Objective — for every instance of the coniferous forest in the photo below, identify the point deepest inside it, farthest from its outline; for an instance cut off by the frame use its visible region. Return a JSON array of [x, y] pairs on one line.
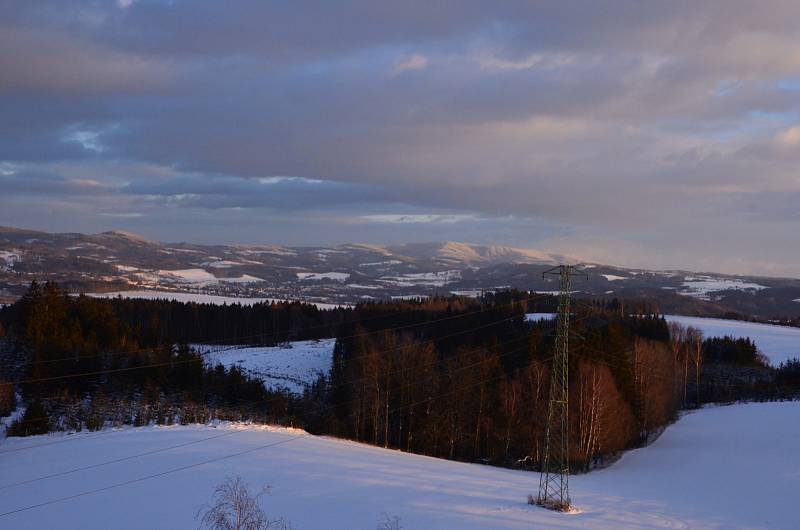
[[454, 378]]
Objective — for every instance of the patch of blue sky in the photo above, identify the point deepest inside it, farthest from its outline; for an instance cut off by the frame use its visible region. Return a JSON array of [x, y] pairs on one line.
[[790, 84]]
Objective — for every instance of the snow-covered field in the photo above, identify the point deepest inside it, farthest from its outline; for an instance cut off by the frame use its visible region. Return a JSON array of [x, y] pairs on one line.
[[288, 368], [535, 317], [778, 343], [703, 287], [717, 468]]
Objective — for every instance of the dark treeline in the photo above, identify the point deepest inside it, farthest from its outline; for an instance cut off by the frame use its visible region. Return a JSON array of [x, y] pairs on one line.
[[84, 361], [734, 351], [732, 369], [152, 322], [272, 323]]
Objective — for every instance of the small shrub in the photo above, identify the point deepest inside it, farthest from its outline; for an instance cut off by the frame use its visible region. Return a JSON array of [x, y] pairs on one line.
[[236, 508], [389, 522]]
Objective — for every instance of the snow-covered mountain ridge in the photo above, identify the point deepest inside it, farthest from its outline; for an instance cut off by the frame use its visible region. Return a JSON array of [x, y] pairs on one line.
[[346, 274]]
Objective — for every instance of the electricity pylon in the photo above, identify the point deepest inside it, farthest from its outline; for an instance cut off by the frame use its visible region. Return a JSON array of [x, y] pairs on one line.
[[554, 478]]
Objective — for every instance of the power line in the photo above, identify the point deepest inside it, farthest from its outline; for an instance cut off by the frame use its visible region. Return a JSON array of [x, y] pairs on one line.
[[212, 460], [620, 358], [102, 372], [70, 437], [147, 477], [115, 461]]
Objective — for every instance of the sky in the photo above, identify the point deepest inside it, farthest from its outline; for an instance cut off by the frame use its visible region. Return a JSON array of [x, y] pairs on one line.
[[646, 134]]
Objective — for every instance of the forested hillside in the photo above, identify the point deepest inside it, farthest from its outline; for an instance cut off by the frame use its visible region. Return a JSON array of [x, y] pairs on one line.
[[476, 388], [80, 362], [457, 378]]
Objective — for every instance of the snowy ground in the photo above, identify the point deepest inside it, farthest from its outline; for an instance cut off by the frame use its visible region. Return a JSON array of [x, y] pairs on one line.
[[703, 287], [281, 368], [778, 343], [536, 317], [718, 468]]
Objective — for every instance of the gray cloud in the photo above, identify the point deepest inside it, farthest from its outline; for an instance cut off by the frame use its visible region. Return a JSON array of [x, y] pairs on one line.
[[663, 130]]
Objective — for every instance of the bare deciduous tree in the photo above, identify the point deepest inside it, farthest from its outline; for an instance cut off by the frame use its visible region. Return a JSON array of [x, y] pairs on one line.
[[677, 338], [389, 522], [236, 508], [590, 412], [695, 339]]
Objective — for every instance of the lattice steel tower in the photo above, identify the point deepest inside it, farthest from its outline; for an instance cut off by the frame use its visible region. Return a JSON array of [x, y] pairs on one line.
[[554, 478]]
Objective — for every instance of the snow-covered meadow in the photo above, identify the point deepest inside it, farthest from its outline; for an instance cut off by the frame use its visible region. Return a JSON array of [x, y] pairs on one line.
[[778, 343], [290, 367], [717, 468], [704, 287]]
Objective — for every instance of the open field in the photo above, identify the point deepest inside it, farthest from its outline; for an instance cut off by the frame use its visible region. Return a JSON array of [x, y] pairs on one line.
[[723, 467]]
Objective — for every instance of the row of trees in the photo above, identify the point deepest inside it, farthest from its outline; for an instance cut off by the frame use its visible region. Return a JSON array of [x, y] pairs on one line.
[[97, 323]]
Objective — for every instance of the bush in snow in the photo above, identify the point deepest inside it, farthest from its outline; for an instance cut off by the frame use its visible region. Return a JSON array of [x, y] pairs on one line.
[[388, 522], [236, 508]]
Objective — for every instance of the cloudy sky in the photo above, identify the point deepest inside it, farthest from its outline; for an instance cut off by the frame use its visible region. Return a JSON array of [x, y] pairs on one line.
[[657, 134]]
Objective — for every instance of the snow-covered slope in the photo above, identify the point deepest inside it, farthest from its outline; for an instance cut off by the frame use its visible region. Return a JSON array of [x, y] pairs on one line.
[[718, 468], [289, 367], [778, 343], [466, 253]]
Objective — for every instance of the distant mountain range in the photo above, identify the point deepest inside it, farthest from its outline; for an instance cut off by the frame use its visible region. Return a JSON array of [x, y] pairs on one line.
[[346, 274]]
